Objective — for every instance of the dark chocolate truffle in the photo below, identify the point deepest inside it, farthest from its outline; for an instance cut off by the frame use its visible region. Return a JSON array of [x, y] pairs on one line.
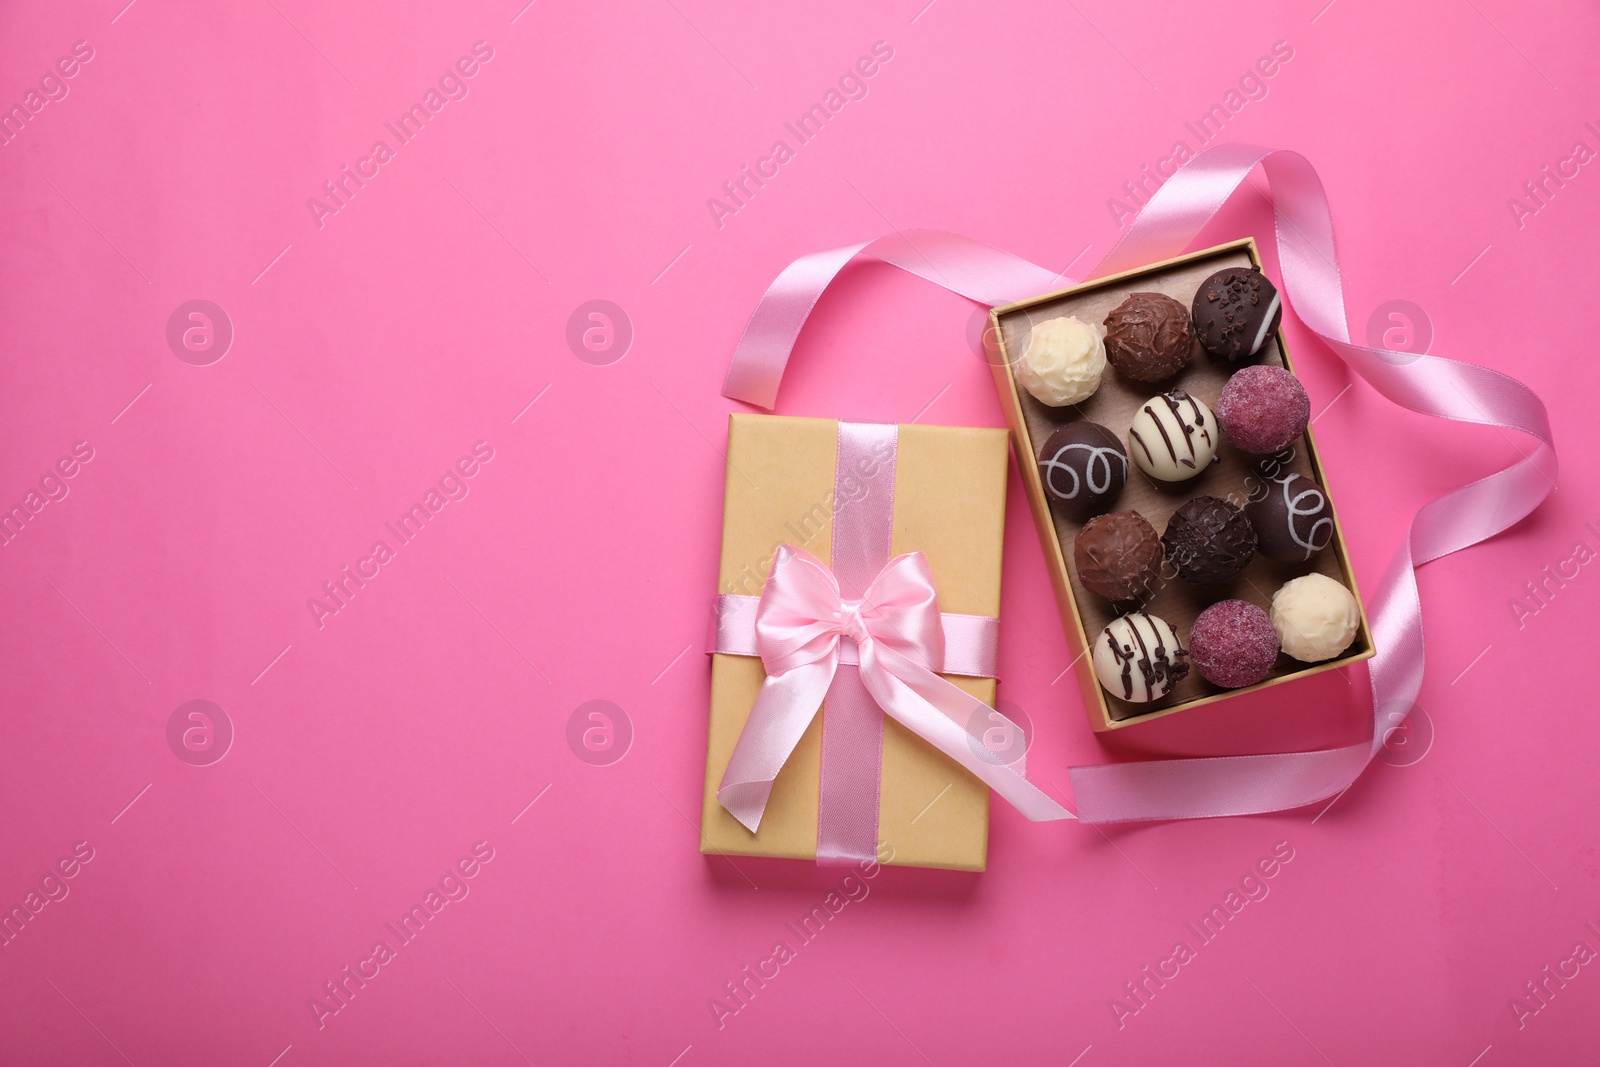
[[1149, 337], [1292, 519], [1233, 644], [1209, 541], [1263, 409], [1234, 312], [1084, 468], [1118, 556]]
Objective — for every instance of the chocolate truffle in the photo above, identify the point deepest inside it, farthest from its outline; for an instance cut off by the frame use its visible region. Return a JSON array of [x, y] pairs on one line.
[[1149, 337], [1316, 617], [1234, 311], [1118, 556], [1063, 362], [1263, 409], [1171, 437], [1293, 521], [1138, 658], [1209, 541], [1084, 468], [1233, 644]]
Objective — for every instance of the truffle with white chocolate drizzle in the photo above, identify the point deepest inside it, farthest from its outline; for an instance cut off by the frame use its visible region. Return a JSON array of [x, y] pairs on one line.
[[1083, 468], [1139, 659], [1171, 437], [1292, 519]]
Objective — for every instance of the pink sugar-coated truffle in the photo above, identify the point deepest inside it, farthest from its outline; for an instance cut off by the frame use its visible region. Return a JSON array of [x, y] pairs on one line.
[[1233, 644], [1263, 409]]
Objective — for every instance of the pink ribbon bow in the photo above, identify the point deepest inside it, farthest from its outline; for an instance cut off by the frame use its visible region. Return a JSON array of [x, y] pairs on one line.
[[805, 628]]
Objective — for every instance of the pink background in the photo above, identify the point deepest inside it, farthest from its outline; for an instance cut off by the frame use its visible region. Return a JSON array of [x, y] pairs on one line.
[[369, 354]]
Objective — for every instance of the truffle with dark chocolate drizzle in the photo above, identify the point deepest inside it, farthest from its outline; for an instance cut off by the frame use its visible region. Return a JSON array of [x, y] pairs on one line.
[[1138, 658], [1171, 437]]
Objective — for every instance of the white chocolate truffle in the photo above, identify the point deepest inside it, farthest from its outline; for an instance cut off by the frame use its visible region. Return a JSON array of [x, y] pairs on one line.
[[1173, 437], [1316, 618], [1063, 362], [1139, 659]]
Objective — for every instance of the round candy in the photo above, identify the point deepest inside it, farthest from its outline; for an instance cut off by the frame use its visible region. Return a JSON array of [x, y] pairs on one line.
[[1233, 644], [1118, 556], [1083, 468], [1316, 617], [1063, 362], [1263, 409], [1149, 337], [1171, 437], [1234, 312], [1138, 658], [1209, 541], [1293, 520]]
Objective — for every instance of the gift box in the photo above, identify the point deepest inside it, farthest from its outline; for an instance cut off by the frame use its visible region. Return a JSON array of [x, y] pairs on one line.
[[1235, 477], [788, 483]]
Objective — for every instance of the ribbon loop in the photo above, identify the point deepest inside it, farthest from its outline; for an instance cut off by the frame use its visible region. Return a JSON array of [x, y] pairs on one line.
[[974, 270]]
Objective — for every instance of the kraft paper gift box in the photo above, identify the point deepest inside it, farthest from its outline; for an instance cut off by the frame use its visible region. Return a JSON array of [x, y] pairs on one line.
[[1234, 477], [949, 488]]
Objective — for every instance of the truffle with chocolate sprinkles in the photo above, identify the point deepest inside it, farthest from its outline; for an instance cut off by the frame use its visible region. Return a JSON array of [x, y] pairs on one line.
[[1234, 312]]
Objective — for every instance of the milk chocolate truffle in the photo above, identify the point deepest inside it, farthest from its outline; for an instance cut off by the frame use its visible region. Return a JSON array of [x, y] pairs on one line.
[[1171, 437], [1209, 541], [1063, 362], [1293, 520], [1118, 556], [1316, 617], [1149, 337], [1263, 409], [1234, 312], [1083, 468], [1233, 644], [1138, 658]]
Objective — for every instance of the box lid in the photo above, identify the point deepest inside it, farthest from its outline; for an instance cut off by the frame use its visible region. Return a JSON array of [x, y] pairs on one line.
[[949, 487]]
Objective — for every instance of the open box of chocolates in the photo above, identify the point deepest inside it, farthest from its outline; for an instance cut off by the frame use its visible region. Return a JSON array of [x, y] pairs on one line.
[[1166, 449]]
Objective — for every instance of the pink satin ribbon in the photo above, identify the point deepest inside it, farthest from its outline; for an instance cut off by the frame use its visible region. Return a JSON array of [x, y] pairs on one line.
[[1463, 392], [971, 642], [803, 620], [970, 268], [851, 762]]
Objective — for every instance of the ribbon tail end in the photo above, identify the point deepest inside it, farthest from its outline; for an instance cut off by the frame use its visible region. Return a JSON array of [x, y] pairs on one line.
[[746, 802]]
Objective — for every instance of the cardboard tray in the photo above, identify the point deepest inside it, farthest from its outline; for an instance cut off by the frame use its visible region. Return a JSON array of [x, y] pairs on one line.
[[1233, 478]]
